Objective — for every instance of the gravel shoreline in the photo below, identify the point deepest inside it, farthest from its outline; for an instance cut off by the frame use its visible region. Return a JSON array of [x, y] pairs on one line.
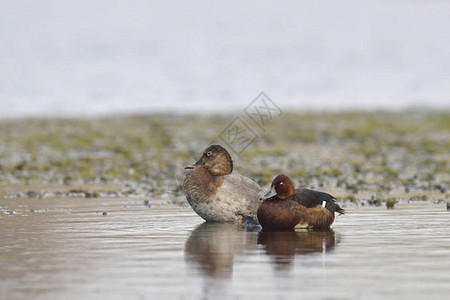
[[363, 158]]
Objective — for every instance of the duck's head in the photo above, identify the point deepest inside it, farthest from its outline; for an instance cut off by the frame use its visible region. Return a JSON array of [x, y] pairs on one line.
[[216, 159], [282, 187]]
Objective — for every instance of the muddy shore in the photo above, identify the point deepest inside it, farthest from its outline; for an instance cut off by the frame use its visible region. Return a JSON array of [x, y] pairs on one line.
[[362, 158]]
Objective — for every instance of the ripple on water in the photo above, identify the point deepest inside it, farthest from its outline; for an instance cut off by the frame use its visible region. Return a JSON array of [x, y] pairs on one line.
[[167, 251]]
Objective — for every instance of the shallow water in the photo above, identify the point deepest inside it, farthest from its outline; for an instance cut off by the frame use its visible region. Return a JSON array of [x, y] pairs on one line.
[[67, 248]]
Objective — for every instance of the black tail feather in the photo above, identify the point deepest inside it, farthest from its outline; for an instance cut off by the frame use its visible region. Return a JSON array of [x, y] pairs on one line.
[[333, 206], [339, 209]]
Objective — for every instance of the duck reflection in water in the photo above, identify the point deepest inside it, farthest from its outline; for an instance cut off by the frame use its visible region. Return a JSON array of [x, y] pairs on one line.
[[282, 246], [211, 247]]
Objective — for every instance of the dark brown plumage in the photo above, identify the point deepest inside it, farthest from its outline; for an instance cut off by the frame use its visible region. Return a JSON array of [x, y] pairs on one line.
[[284, 207], [281, 214]]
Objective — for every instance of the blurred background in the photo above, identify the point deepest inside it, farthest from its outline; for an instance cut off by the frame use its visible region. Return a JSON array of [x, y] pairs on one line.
[[72, 58], [139, 71]]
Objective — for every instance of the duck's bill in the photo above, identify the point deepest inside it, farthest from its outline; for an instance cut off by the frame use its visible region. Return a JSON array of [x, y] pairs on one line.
[[199, 162], [269, 194]]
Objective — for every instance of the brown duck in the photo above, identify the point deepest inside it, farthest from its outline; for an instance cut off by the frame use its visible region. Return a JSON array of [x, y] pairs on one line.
[[285, 207]]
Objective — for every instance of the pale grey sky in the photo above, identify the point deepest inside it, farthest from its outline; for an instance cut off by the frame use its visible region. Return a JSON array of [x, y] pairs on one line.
[[99, 57]]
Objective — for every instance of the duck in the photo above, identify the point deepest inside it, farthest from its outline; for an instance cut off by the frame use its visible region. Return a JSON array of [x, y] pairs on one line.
[[215, 194], [286, 208]]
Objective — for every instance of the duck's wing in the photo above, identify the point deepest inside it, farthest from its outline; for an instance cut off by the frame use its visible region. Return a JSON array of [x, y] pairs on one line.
[[310, 198], [243, 189], [242, 182]]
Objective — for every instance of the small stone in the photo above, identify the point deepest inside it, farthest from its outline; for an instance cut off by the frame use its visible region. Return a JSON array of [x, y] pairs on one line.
[[32, 194], [390, 203], [104, 213]]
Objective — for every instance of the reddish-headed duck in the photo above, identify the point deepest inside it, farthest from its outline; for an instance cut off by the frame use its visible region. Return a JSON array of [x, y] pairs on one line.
[[285, 208], [214, 193]]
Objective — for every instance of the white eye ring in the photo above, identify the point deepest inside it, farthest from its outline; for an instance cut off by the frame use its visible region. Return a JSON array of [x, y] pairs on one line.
[[209, 153]]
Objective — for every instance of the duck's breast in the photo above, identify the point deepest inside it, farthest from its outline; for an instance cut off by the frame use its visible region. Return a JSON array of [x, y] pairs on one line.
[[199, 185], [281, 214]]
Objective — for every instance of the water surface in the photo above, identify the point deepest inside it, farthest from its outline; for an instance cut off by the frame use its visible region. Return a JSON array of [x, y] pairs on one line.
[[119, 248]]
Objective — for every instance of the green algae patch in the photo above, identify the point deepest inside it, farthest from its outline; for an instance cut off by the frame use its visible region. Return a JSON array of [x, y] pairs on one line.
[[356, 154]]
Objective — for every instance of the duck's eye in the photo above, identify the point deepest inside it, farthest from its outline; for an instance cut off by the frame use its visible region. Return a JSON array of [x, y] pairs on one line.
[[209, 153]]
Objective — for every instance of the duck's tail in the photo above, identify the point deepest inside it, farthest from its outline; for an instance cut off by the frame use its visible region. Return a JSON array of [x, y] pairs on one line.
[[339, 209], [334, 207]]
